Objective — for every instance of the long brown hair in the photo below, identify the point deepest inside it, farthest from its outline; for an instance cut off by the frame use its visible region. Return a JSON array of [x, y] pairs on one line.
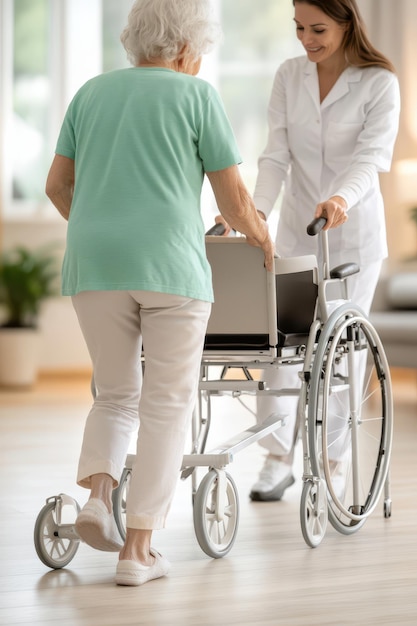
[[356, 44]]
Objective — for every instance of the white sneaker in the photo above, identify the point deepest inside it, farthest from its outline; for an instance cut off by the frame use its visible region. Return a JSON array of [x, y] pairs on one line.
[[274, 478]]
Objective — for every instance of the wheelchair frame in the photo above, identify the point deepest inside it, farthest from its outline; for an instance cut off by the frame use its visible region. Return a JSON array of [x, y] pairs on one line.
[[342, 363]]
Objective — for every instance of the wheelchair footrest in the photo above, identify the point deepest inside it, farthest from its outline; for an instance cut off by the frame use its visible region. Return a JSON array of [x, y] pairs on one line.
[[232, 385], [223, 455]]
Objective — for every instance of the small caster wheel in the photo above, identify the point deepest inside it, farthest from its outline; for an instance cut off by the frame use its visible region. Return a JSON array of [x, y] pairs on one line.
[[387, 508], [56, 543], [216, 513], [313, 512]]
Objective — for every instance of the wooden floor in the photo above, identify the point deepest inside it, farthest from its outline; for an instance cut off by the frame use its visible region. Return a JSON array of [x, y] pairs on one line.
[[270, 577]]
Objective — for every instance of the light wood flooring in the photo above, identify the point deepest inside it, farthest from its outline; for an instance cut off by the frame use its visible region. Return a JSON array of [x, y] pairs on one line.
[[270, 577]]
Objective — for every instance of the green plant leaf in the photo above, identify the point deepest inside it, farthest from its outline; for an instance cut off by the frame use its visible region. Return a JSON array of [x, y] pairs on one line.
[[27, 278]]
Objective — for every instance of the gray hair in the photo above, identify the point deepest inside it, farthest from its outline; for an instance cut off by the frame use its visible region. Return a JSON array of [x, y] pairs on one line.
[[160, 28]]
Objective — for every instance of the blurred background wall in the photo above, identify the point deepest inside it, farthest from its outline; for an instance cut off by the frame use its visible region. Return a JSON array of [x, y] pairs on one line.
[[48, 48]]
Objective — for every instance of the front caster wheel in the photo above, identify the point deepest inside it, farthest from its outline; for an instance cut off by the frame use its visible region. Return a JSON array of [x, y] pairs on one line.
[[216, 513], [56, 543], [313, 512]]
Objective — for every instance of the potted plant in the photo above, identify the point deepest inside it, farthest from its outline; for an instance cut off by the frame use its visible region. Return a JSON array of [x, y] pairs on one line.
[[27, 278], [413, 217], [413, 214]]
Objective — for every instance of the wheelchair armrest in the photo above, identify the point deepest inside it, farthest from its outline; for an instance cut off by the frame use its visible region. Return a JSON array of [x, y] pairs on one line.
[[344, 270]]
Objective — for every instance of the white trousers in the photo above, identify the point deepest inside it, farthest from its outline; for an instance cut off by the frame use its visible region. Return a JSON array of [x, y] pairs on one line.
[[280, 443], [172, 329]]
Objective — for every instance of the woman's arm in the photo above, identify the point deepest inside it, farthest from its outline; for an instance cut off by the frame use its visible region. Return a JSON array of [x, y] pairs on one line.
[[60, 184], [237, 208], [375, 144]]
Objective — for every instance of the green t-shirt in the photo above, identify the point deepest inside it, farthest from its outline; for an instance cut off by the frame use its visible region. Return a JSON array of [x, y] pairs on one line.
[[142, 139]]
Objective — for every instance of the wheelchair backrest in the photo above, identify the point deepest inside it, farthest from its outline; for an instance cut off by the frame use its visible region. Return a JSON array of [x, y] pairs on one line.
[[296, 292], [254, 311], [243, 317]]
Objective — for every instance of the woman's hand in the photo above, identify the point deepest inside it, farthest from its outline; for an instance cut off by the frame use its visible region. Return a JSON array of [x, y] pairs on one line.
[[239, 212], [334, 210], [267, 246]]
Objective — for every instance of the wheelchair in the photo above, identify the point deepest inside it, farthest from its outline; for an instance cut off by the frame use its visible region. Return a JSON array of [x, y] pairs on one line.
[[262, 320]]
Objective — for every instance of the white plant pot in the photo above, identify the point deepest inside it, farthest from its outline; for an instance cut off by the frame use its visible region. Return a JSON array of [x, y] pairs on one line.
[[19, 356]]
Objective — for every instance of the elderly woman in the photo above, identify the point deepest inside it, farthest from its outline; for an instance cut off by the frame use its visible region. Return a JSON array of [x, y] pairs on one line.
[[128, 171]]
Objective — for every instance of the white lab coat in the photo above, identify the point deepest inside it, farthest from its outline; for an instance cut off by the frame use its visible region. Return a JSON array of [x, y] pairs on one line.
[[336, 147], [319, 150]]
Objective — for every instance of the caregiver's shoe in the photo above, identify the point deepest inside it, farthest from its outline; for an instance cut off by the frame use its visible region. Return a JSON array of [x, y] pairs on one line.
[[274, 478]]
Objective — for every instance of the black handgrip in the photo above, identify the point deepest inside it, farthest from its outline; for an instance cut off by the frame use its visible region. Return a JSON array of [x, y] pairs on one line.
[[216, 230], [316, 226]]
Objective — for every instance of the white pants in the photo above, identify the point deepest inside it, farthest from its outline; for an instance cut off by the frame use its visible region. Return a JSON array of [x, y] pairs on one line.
[[172, 328], [280, 443]]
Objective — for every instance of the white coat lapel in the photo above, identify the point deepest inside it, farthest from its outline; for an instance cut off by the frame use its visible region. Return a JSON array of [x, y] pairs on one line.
[[311, 83], [341, 88]]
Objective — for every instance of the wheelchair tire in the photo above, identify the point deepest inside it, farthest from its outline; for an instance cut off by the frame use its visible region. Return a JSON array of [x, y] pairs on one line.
[[54, 551], [216, 533], [350, 416]]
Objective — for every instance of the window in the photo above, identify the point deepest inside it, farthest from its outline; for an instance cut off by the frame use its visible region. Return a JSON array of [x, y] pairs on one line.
[[49, 48], [26, 98], [258, 38], [114, 20], [31, 98]]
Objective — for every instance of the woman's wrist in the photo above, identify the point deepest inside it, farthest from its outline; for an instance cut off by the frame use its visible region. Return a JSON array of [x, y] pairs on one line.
[[341, 201]]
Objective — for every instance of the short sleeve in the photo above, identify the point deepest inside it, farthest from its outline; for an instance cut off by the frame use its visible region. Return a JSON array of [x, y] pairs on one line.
[[66, 140], [217, 145]]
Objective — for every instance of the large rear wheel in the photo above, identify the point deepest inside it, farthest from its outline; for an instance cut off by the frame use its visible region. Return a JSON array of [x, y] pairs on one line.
[[350, 417]]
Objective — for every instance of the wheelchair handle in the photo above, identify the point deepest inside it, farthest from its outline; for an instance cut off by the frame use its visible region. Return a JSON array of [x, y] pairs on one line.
[[312, 229], [217, 230], [316, 226]]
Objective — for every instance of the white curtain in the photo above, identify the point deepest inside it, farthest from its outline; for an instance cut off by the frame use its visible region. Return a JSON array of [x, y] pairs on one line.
[[392, 26]]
